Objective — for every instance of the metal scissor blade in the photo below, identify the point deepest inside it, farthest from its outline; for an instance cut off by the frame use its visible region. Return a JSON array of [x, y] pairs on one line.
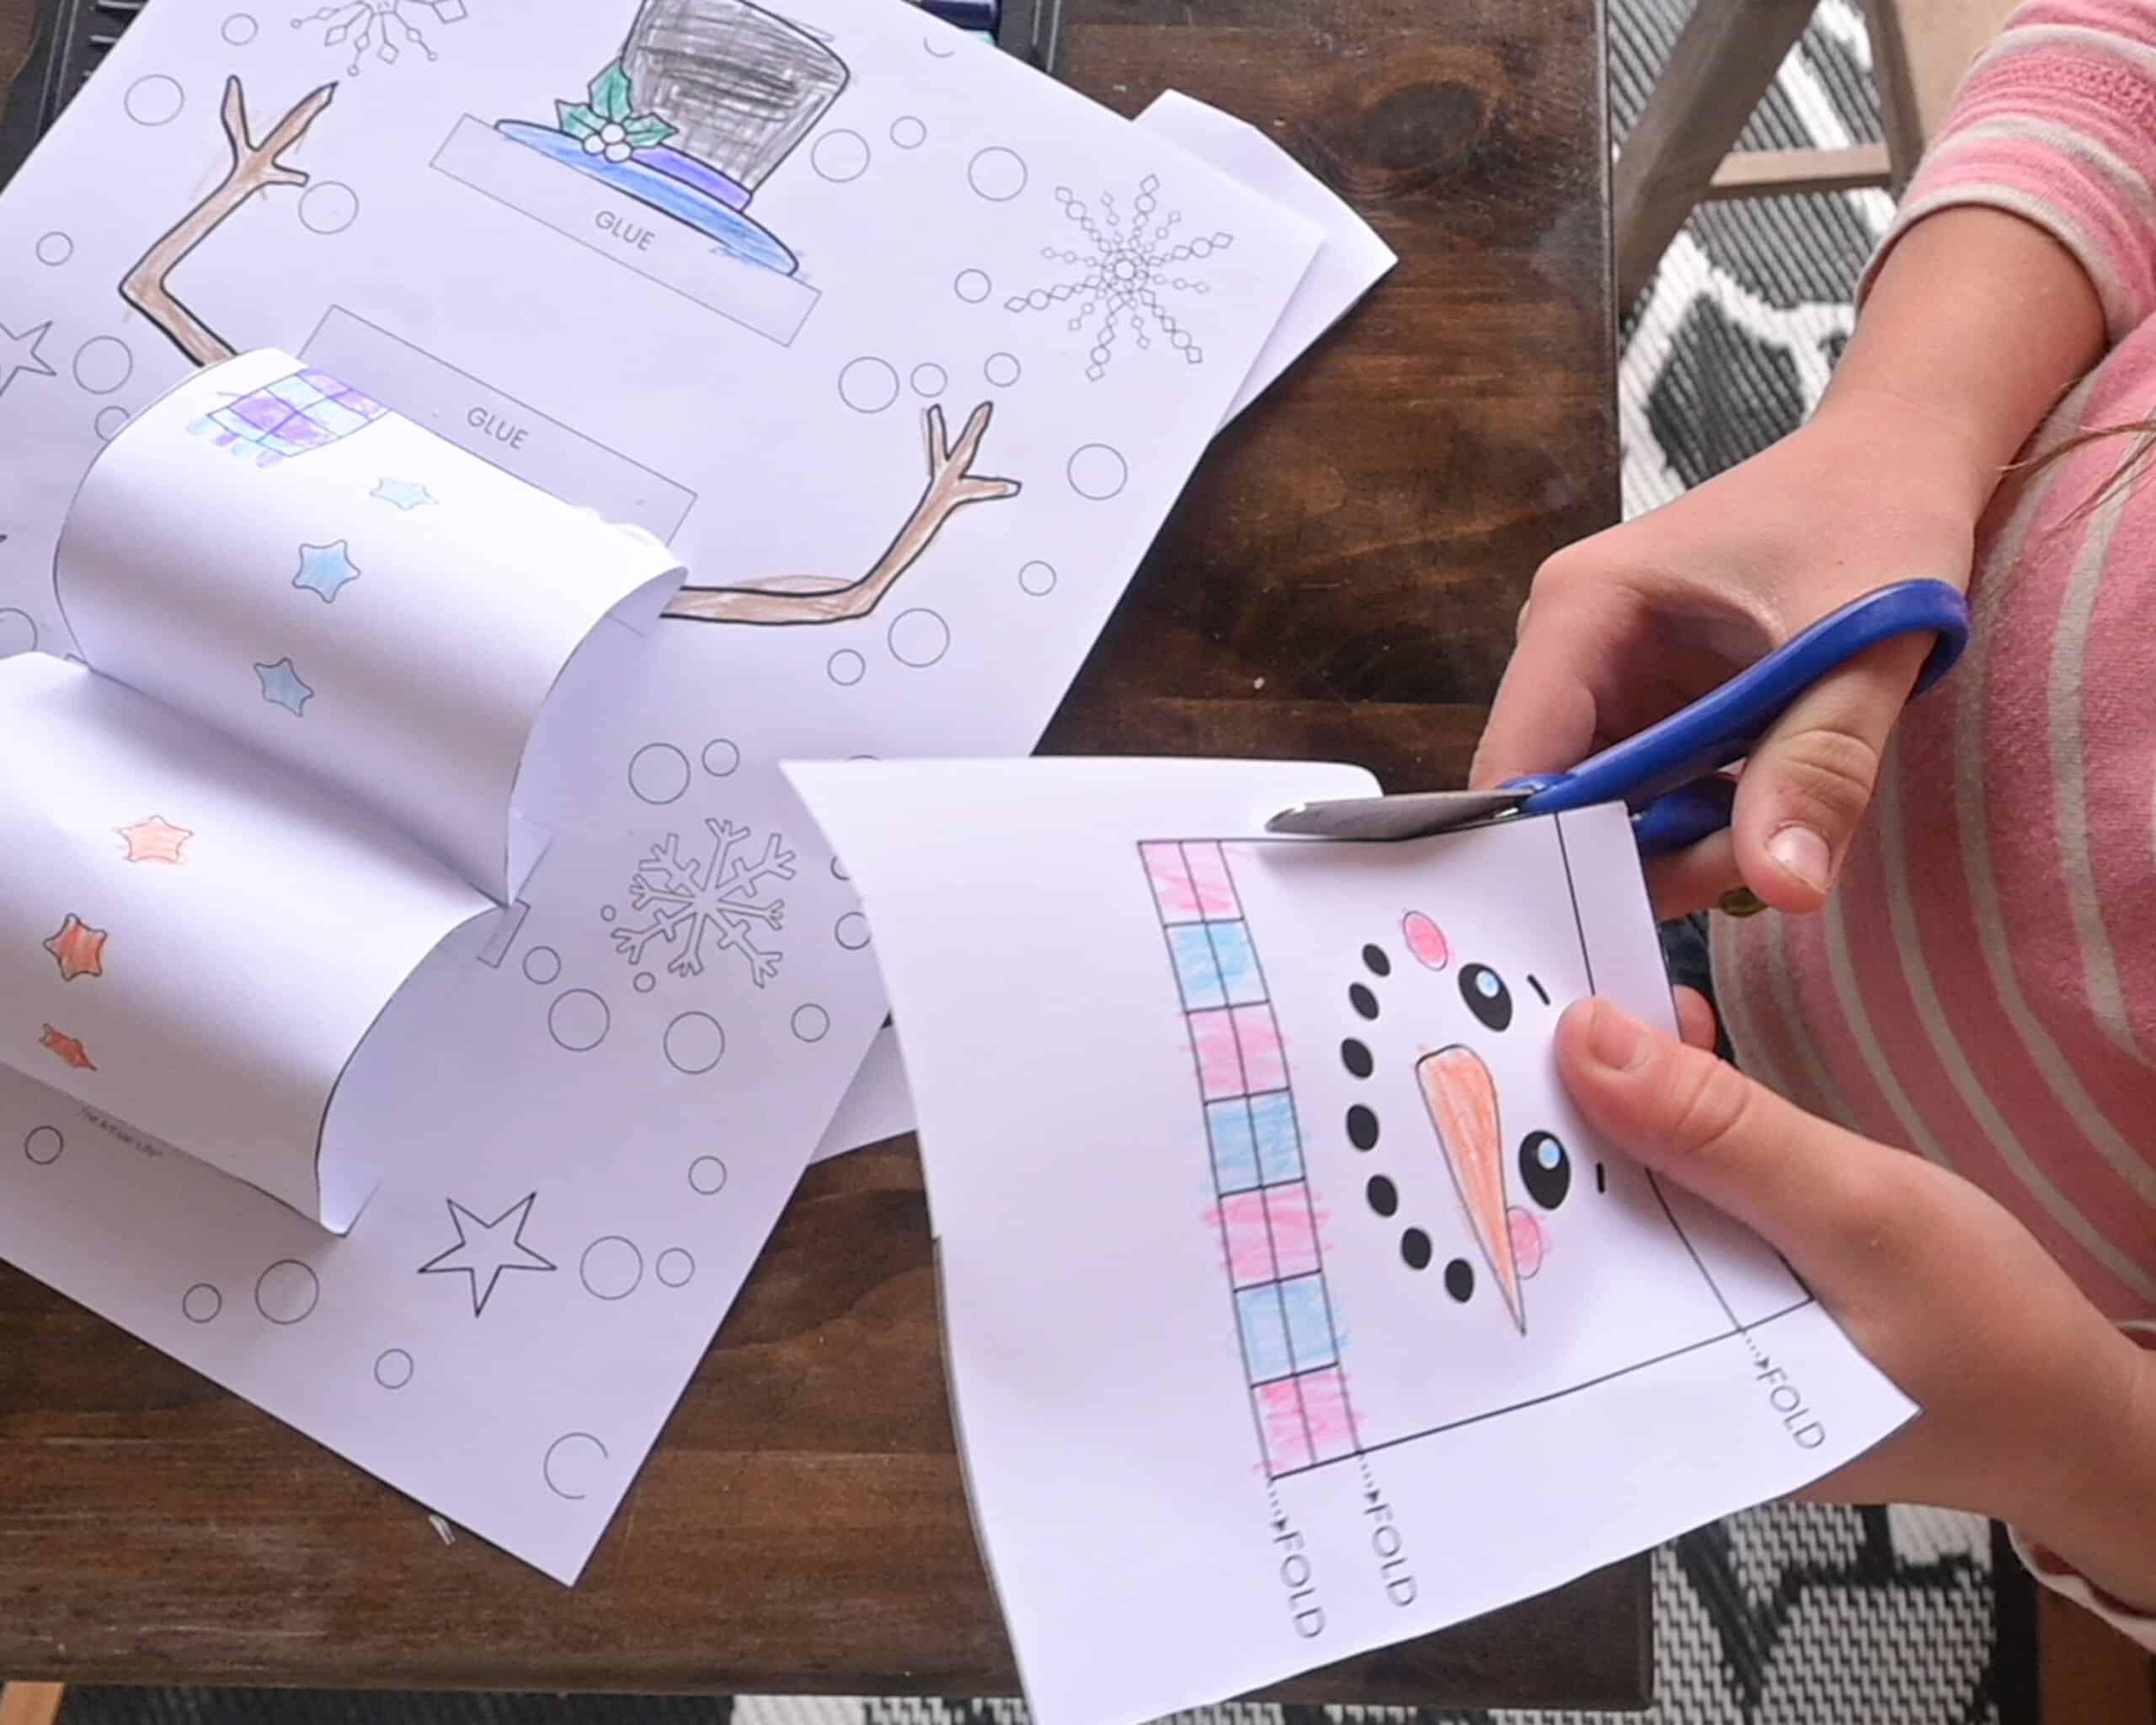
[[1413, 816]]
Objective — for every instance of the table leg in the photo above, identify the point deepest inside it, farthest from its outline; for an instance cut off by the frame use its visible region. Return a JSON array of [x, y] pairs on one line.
[[1721, 66]]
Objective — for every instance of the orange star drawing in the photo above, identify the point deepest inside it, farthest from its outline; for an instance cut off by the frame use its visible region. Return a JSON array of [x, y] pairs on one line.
[[67, 1047], [78, 947], [154, 840]]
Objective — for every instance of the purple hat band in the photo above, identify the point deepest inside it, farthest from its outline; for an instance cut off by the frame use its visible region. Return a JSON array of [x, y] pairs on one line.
[[663, 158]]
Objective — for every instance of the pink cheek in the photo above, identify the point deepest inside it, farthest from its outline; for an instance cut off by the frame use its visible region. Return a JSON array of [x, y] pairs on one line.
[[1530, 1247], [1426, 940]]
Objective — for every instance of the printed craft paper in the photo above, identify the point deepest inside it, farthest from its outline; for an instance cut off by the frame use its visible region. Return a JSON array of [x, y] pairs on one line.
[[1351, 260], [289, 770], [907, 364], [1290, 1309]]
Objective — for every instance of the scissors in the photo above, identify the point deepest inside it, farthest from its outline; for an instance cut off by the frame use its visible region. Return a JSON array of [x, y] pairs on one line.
[[1669, 774]]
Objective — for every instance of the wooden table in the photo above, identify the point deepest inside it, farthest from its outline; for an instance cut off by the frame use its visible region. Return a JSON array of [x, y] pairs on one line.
[[1341, 580]]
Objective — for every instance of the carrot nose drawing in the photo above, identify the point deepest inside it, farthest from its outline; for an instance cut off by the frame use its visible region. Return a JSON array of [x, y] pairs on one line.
[[1462, 1099]]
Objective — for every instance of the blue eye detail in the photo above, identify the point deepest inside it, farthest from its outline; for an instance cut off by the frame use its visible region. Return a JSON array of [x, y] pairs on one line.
[[1487, 996]]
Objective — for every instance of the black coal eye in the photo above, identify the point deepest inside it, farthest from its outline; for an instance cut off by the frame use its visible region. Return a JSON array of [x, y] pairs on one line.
[[1486, 996], [1546, 1169]]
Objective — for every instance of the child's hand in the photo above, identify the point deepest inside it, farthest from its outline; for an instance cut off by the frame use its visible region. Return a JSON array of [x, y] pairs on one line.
[[1624, 628], [2035, 1408]]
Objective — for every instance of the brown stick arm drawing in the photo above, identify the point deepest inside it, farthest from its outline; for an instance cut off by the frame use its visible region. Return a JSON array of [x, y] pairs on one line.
[[823, 599], [255, 167]]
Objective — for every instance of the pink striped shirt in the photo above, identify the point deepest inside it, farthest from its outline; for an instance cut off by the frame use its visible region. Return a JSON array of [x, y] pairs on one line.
[[1982, 987]]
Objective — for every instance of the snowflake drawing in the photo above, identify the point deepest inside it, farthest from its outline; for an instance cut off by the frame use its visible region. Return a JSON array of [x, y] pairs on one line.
[[719, 898], [378, 24], [1124, 266]]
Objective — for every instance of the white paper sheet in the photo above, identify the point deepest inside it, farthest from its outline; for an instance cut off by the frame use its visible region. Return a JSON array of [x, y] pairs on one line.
[[1291, 1311], [876, 1107], [254, 863], [206, 980], [268, 550], [924, 457], [1350, 262]]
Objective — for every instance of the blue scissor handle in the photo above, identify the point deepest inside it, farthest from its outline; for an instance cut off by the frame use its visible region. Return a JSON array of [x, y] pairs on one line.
[[1667, 774]]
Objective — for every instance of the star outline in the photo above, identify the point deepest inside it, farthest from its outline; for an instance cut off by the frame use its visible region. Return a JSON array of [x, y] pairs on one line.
[[327, 570], [439, 1264], [28, 341], [154, 838], [403, 494], [282, 686]]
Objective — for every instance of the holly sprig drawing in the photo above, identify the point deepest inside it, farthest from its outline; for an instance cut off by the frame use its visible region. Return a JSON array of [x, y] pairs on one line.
[[608, 122]]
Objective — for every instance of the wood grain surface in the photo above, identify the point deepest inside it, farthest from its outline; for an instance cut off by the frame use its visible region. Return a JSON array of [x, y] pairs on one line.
[[1341, 580]]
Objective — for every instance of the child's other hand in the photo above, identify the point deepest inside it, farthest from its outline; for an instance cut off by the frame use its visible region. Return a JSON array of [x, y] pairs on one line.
[[2035, 1408], [1624, 628]]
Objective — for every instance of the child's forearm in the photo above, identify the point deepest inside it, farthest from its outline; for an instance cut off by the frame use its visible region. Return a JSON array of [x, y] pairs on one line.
[[2106, 1526], [1976, 323]]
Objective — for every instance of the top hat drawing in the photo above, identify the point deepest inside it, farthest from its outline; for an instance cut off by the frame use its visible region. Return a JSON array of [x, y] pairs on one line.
[[707, 99]]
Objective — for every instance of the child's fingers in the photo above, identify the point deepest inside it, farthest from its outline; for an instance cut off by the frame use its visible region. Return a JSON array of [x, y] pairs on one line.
[[1694, 877], [1827, 1201], [1695, 1018], [1808, 784], [1544, 719]]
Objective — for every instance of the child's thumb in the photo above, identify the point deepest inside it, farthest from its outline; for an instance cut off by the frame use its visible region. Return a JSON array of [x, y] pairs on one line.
[[1699, 1122], [1810, 779]]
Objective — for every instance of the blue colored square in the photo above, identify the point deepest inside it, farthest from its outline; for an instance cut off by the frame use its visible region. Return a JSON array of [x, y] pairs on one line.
[[338, 420], [1234, 1153], [1279, 1145], [1310, 1325], [1236, 960], [295, 389], [1195, 970], [1265, 1336]]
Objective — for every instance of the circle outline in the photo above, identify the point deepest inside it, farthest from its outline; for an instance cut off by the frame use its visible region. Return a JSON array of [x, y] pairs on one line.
[[666, 1043], [314, 1292], [584, 1267], [606, 1020]]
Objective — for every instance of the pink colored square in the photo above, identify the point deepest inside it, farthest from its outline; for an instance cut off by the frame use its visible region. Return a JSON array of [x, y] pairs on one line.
[[1250, 1239], [1215, 886], [1326, 1413], [1265, 1064], [1172, 890], [1219, 1063], [1293, 1229], [1280, 1418]]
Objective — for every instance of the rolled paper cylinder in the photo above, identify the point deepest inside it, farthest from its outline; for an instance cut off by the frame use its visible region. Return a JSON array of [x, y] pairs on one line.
[[283, 557]]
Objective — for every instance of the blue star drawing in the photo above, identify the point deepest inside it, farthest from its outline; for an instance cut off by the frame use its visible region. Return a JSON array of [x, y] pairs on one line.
[[326, 570], [406, 494], [281, 684], [13, 348], [485, 1249]]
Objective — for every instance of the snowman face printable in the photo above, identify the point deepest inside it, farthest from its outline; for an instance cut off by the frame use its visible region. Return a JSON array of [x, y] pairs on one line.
[[1419, 1228]]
